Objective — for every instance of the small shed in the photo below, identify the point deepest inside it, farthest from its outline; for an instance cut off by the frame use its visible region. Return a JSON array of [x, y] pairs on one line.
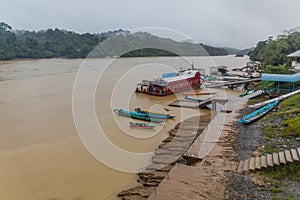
[[296, 62], [294, 79]]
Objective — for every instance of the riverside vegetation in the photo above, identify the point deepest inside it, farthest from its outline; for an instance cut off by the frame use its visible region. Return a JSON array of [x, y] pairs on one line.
[[274, 51], [281, 131], [278, 131]]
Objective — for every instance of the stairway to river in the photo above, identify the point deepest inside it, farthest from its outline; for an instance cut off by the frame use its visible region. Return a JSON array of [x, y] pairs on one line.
[[269, 160]]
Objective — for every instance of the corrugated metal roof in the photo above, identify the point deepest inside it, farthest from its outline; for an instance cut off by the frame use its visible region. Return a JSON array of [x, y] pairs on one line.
[[281, 77], [295, 54]]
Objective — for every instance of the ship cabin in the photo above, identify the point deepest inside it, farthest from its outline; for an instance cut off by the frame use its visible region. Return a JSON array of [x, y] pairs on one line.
[[180, 81]]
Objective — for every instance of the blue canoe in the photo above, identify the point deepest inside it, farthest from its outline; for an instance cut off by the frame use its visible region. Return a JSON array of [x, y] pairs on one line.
[[136, 115], [142, 125], [258, 113], [153, 114]]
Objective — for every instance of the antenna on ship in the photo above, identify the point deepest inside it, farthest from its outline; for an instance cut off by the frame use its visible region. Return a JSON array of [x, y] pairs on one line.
[[193, 66], [180, 65]]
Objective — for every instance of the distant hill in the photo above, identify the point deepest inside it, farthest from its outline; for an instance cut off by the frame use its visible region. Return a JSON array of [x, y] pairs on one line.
[[52, 43], [233, 51], [146, 44]]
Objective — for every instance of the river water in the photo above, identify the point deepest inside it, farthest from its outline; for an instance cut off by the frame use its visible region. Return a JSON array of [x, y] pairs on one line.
[[42, 155]]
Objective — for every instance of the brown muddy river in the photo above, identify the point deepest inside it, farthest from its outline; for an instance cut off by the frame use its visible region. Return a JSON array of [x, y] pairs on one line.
[[43, 155]]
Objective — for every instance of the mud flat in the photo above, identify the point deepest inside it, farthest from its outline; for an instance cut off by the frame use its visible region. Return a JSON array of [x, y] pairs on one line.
[[201, 159], [168, 156], [206, 179]]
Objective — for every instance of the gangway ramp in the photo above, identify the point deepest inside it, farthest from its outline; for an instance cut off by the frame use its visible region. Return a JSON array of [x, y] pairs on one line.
[[232, 83]]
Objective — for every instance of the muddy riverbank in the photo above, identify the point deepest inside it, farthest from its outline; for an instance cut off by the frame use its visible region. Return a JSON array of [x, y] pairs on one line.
[[190, 177], [248, 140], [169, 154], [263, 137]]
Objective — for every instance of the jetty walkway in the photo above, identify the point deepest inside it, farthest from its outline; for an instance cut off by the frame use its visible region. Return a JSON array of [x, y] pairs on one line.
[[199, 104], [233, 83]]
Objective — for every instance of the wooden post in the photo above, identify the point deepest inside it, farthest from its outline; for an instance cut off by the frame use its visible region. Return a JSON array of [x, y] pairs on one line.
[[214, 105], [278, 86]]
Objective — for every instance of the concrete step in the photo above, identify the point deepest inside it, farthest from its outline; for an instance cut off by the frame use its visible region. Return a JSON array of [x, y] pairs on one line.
[[252, 163], [275, 159], [264, 161], [282, 158], [295, 155], [246, 165], [241, 166], [288, 156], [270, 160], [257, 163]]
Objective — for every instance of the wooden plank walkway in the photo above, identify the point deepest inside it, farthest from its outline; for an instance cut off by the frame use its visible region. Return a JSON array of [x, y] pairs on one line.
[[230, 83], [185, 104], [191, 104], [270, 160]]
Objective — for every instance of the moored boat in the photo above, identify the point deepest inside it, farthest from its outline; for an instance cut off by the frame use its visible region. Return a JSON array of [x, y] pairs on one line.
[[258, 113], [171, 83], [154, 114], [142, 125], [247, 92], [136, 115], [254, 94]]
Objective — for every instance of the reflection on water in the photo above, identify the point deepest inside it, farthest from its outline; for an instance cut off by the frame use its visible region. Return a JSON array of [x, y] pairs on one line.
[[41, 156]]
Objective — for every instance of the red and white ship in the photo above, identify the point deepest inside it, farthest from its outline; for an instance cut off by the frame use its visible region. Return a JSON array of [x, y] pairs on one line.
[[171, 83]]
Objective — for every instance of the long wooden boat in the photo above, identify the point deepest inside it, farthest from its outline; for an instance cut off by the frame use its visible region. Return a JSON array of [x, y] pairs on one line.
[[154, 114], [141, 125], [258, 113], [254, 94], [192, 99], [136, 115]]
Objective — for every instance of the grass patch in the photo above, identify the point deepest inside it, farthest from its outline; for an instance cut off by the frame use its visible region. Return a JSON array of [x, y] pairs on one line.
[[292, 126], [291, 171], [281, 127], [277, 190]]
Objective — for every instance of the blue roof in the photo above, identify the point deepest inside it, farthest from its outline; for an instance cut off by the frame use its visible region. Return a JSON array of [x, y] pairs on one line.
[[281, 77], [169, 75]]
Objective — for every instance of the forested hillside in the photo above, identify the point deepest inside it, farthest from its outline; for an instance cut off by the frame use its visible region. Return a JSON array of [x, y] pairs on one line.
[[274, 51], [62, 43]]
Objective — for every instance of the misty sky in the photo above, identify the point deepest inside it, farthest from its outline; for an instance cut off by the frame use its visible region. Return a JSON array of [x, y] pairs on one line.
[[233, 23]]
